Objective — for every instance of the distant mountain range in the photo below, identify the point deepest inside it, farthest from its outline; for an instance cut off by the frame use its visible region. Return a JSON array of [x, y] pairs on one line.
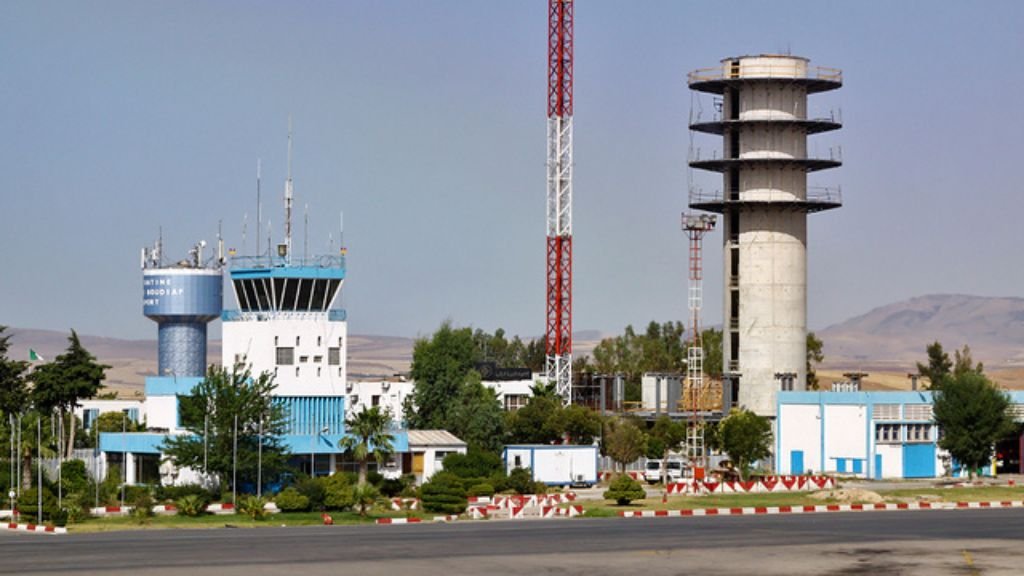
[[889, 338], [895, 336]]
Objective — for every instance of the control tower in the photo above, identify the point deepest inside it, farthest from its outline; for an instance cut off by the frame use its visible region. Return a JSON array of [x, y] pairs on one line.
[[182, 298], [761, 104]]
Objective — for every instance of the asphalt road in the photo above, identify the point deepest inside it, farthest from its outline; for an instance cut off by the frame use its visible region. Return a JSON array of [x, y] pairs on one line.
[[927, 542]]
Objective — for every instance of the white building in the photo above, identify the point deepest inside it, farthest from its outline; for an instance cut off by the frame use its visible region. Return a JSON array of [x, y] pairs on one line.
[[870, 434]]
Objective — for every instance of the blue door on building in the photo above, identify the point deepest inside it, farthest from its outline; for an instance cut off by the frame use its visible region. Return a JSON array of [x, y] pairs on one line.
[[796, 462], [878, 467], [919, 460]]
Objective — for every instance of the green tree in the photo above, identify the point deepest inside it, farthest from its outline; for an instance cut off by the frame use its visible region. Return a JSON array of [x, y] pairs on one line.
[[72, 376], [539, 422], [209, 414], [116, 422], [815, 356], [477, 416], [440, 366], [14, 393], [939, 366], [624, 441], [746, 438], [711, 342], [973, 414], [368, 432], [659, 349], [964, 364], [665, 436], [624, 490], [580, 424]]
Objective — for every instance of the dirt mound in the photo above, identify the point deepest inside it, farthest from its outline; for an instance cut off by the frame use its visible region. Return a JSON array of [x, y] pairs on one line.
[[848, 495]]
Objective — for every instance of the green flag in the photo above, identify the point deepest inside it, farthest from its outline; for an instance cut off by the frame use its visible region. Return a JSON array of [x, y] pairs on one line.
[[35, 357]]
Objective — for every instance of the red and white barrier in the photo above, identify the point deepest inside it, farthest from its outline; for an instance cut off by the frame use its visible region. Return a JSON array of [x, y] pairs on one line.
[[219, 508], [111, 511], [768, 484], [35, 528], [449, 518], [405, 504]]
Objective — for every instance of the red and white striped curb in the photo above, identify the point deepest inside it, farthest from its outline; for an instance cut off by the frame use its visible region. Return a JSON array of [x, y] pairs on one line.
[[763, 485], [218, 508], [553, 512], [448, 518], [110, 511], [399, 520], [35, 528], [817, 509]]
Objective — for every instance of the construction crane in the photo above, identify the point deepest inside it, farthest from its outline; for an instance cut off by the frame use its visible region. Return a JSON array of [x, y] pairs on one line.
[[558, 336], [696, 226]]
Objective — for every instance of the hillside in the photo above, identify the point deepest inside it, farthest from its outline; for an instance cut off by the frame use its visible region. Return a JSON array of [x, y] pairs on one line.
[[370, 357], [895, 336]]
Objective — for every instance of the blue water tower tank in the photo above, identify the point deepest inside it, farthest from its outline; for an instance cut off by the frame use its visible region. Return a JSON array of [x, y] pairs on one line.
[[182, 299]]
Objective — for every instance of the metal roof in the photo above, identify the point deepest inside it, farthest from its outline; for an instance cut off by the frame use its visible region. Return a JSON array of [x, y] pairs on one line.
[[433, 438]]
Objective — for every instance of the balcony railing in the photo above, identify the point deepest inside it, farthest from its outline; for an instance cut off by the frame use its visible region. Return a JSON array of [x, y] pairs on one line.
[[815, 195], [727, 71]]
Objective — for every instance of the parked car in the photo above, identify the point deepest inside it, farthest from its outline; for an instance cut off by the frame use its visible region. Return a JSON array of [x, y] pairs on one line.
[[652, 471]]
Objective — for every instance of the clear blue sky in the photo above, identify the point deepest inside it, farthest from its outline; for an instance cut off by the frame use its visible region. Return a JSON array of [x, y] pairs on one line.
[[424, 123]]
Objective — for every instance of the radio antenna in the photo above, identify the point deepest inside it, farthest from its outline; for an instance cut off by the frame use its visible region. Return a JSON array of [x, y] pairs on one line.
[[288, 195]]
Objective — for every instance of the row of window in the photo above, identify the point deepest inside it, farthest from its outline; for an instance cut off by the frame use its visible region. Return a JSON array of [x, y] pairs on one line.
[[285, 356], [319, 341], [319, 371], [895, 433]]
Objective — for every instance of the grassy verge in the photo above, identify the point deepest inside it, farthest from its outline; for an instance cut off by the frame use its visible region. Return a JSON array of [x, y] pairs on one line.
[[210, 521]]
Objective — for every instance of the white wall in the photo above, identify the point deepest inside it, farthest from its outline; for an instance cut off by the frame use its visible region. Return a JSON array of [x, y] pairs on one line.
[[111, 406], [389, 394], [845, 429], [801, 430], [253, 342]]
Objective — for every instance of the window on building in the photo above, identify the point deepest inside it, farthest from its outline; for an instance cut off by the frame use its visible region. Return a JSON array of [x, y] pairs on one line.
[[303, 359], [887, 433], [375, 400], [514, 402], [334, 356], [317, 371], [275, 340], [89, 415], [296, 340], [919, 432], [296, 371], [285, 356], [340, 343], [318, 359], [318, 341], [340, 373]]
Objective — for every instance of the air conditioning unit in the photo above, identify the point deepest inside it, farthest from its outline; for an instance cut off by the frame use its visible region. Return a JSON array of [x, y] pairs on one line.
[[353, 399], [348, 387], [386, 386]]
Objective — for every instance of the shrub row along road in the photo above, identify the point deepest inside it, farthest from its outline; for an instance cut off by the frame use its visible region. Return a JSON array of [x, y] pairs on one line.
[[927, 542]]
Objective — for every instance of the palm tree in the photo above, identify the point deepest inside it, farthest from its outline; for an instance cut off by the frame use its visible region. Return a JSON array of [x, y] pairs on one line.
[[368, 432]]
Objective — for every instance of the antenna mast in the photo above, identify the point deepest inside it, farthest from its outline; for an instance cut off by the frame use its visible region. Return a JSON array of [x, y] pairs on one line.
[[696, 226], [558, 343], [288, 195], [259, 208]]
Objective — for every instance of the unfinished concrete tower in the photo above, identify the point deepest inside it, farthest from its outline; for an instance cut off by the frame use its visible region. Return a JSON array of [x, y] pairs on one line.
[[761, 114]]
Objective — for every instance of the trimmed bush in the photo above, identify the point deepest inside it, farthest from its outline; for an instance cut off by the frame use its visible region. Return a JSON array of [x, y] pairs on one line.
[[482, 489], [175, 493], [291, 500], [313, 489], [473, 464], [393, 487], [142, 504], [28, 503], [624, 490], [521, 481], [73, 477], [337, 492], [444, 494]]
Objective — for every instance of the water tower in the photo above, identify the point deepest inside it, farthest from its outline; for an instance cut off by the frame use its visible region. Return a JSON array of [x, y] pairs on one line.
[[761, 115], [182, 298]]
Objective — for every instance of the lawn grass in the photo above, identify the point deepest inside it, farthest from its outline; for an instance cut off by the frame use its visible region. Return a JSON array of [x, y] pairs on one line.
[[959, 494], [211, 521]]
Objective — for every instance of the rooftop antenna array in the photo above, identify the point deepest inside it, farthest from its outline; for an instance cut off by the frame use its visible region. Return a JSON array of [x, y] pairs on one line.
[[288, 196]]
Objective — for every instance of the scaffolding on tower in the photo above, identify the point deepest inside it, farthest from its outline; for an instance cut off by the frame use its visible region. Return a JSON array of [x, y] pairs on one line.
[[696, 226], [558, 334]]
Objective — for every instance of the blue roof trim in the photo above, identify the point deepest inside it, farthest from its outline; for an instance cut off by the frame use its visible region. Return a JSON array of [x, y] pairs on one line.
[[874, 397], [136, 442], [289, 272], [547, 446], [170, 385]]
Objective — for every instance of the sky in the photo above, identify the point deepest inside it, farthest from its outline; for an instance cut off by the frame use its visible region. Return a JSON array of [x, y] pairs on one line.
[[424, 123]]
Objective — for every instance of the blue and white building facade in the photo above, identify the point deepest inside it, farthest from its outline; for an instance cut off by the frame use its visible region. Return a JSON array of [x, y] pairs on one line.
[[874, 435]]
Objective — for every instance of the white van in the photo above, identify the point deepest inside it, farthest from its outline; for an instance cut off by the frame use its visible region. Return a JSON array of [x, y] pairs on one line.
[[652, 471]]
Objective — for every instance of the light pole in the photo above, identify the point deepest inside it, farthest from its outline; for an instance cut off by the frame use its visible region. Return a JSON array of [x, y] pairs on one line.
[[259, 460], [39, 467], [124, 454], [234, 464], [60, 460]]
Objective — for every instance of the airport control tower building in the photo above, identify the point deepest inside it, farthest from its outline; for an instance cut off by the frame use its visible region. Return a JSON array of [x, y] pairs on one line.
[[762, 119], [182, 298]]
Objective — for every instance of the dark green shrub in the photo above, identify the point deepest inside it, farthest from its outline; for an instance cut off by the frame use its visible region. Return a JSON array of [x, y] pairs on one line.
[[374, 477], [291, 500], [521, 480], [540, 488], [392, 487], [624, 490], [253, 506], [141, 503], [444, 494], [28, 503], [59, 517], [78, 505], [473, 464], [73, 477], [110, 488], [312, 489], [175, 493], [481, 489], [191, 505], [410, 491], [337, 492]]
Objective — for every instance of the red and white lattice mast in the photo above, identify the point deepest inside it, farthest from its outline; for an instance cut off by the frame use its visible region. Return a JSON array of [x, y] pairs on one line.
[[696, 226], [559, 206]]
